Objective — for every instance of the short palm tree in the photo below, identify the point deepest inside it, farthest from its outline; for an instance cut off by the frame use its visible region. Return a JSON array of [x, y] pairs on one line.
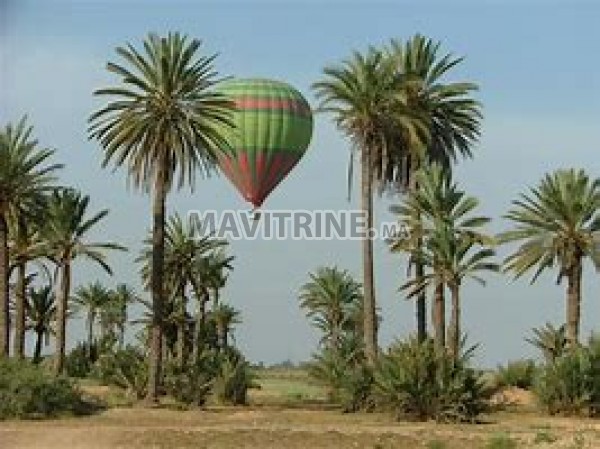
[[25, 172], [64, 231], [25, 246], [164, 121], [225, 317], [92, 299], [331, 299], [364, 95], [550, 340], [40, 310], [558, 225], [121, 297], [459, 257], [451, 242], [451, 114], [191, 261], [209, 275]]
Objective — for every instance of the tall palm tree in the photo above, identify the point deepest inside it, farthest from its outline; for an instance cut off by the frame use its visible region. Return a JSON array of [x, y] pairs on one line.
[[25, 173], [163, 121], [91, 299], [364, 95], [451, 115], [331, 299], [558, 224], [65, 233], [40, 309]]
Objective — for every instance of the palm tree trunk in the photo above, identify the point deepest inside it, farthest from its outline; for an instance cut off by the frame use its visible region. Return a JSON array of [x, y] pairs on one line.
[[19, 337], [37, 352], [63, 298], [370, 312], [90, 331], [438, 316], [181, 331], [158, 246], [198, 342], [215, 299], [454, 333], [4, 294], [121, 335], [421, 302], [574, 304]]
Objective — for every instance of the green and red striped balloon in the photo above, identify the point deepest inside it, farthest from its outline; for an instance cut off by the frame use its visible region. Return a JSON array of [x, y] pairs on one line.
[[273, 128]]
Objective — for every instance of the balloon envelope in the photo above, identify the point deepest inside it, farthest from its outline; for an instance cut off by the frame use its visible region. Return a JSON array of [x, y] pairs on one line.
[[273, 127]]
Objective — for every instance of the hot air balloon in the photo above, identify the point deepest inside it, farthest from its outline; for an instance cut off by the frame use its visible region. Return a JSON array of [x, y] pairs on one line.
[[273, 127]]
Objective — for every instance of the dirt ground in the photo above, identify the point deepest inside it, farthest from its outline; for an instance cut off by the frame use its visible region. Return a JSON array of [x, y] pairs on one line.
[[275, 427], [289, 412]]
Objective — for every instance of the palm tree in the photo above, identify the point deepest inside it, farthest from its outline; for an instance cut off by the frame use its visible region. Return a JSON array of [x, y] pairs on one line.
[[451, 115], [40, 309], [550, 340], [92, 299], [209, 275], [332, 300], [364, 95], [163, 121], [460, 258], [558, 224], [439, 217], [24, 175], [225, 317], [121, 297], [25, 246], [191, 261], [64, 231]]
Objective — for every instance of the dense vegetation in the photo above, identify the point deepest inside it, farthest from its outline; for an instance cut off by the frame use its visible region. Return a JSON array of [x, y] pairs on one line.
[[163, 122]]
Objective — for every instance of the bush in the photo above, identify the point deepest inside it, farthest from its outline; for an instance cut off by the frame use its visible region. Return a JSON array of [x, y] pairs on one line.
[[225, 375], [126, 368], [570, 384], [518, 373], [414, 380], [27, 391], [191, 383], [80, 360], [344, 371], [233, 378]]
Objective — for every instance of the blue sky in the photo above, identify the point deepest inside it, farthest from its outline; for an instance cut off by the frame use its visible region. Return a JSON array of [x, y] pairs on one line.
[[535, 61]]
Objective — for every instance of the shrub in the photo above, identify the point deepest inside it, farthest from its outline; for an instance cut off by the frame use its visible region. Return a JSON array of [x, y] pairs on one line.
[[27, 391], [80, 360], [344, 372], [518, 373], [501, 441], [125, 368], [191, 383], [233, 378], [570, 384], [415, 380], [225, 375]]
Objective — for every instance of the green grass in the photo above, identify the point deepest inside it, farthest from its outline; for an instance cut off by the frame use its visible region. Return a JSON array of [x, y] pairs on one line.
[[286, 387]]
